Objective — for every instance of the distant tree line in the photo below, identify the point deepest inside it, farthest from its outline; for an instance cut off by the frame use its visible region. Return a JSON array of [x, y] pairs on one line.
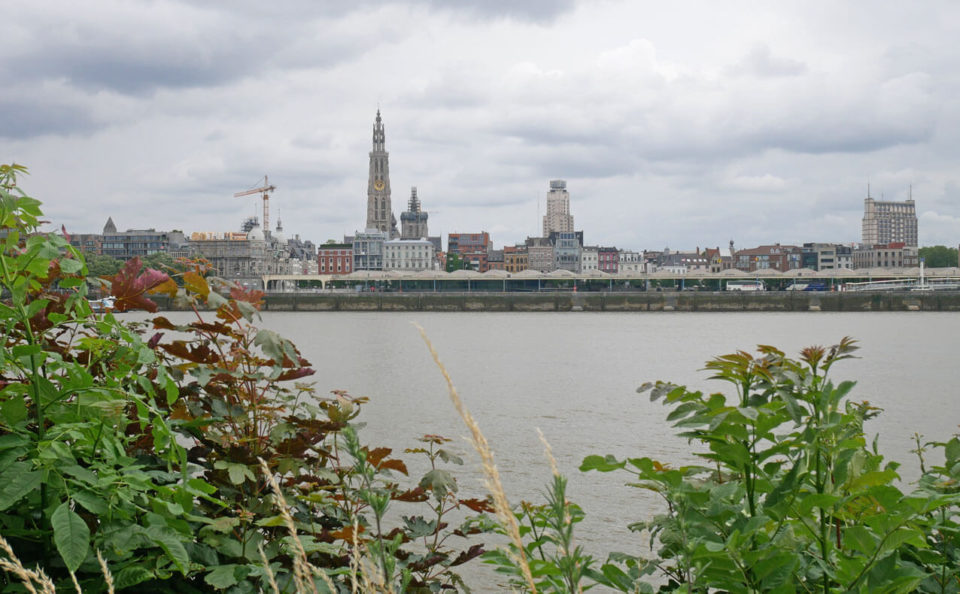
[[938, 256]]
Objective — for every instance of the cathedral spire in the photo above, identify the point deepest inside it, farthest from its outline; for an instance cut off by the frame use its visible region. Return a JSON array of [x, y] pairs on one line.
[[379, 212]]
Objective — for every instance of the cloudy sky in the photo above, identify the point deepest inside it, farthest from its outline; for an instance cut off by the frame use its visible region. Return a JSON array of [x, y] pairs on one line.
[[681, 124]]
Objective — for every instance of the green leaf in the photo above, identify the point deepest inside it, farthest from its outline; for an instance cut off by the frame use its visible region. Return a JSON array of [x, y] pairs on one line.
[[22, 350], [822, 500], [222, 577], [79, 472], [170, 542], [601, 463], [439, 481], [616, 577], [13, 411], [91, 502], [16, 481], [237, 472], [272, 521], [70, 266], [417, 527], [131, 575], [274, 346], [71, 535], [215, 300], [450, 458], [860, 539], [12, 440]]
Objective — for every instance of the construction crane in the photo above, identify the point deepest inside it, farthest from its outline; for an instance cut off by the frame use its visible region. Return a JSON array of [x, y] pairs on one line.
[[264, 189]]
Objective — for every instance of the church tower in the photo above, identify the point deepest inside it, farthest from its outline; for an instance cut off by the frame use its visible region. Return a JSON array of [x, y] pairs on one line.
[[413, 221], [379, 213]]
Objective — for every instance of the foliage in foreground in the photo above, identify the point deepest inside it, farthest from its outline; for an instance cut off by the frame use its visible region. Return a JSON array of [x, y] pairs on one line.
[[147, 452], [790, 498], [196, 460]]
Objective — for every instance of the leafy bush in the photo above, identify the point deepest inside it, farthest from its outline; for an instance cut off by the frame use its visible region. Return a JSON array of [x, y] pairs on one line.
[[793, 497], [148, 451]]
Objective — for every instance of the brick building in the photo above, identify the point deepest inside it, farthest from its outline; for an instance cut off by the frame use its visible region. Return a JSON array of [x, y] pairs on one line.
[[335, 258]]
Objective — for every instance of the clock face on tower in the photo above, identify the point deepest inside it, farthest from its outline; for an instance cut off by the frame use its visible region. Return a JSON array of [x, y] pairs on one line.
[[378, 185]]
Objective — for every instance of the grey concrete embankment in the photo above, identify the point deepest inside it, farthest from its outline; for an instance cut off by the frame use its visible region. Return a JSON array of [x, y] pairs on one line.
[[617, 301]]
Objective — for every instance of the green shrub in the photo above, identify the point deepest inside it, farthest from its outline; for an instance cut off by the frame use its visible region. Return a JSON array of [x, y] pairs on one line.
[[149, 451], [792, 497]]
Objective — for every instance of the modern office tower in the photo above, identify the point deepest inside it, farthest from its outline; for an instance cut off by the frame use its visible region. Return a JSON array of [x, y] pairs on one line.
[[886, 222], [558, 217]]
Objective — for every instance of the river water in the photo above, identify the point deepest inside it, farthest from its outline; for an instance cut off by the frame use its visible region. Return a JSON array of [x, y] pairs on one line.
[[574, 376]]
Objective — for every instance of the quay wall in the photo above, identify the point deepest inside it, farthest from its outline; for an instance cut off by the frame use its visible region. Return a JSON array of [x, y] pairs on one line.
[[616, 301]]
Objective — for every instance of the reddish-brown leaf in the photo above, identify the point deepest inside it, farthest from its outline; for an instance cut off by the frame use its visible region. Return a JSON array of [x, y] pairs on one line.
[[179, 412], [215, 328], [197, 354], [154, 340], [251, 296], [295, 374], [428, 562], [375, 455], [471, 553], [130, 285], [229, 312], [478, 505], [162, 323], [430, 438], [346, 533], [415, 495], [397, 465]]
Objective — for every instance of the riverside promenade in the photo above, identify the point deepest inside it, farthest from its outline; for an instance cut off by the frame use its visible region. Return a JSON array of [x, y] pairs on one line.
[[640, 301]]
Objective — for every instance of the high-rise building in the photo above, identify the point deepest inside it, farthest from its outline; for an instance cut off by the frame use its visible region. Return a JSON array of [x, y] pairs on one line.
[[886, 222], [379, 212], [413, 221], [558, 217]]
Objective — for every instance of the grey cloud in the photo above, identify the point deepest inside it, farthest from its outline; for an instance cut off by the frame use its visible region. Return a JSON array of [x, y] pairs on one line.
[[526, 10], [180, 47], [29, 118], [761, 62]]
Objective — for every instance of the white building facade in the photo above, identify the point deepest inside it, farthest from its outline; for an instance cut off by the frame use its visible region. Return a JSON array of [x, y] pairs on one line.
[[408, 255], [630, 262], [589, 259]]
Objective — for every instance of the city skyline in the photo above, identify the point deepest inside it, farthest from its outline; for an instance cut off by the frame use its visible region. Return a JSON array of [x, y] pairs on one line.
[[674, 128]]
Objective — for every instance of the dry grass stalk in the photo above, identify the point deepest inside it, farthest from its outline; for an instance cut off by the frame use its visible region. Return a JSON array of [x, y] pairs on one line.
[[493, 484], [27, 576], [548, 451], [302, 569], [21, 572], [355, 560], [360, 567], [266, 566], [107, 575]]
